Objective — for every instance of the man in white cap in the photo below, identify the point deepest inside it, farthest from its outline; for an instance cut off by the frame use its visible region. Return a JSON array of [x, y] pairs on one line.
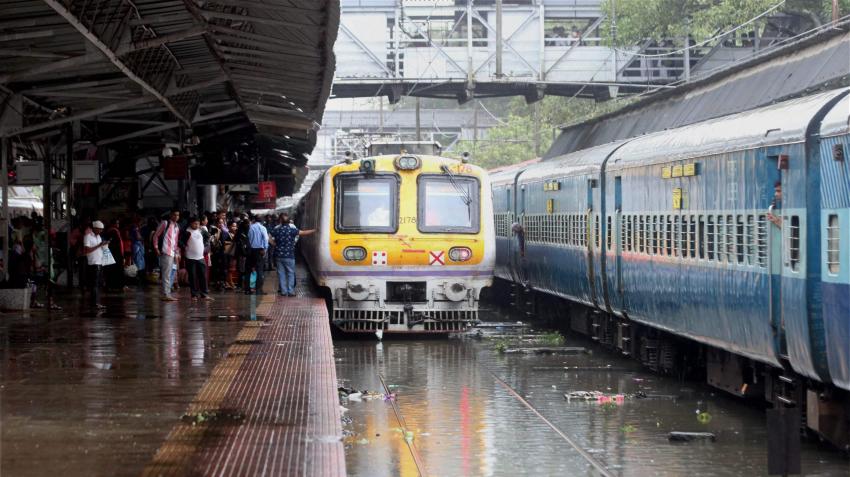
[[93, 248]]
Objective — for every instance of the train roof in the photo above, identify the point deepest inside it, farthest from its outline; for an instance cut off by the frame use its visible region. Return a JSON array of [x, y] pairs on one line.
[[781, 123], [506, 174], [837, 120], [586, 160]]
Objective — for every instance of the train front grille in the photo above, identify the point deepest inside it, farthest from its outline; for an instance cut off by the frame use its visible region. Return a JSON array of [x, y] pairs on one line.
[[445, 321]]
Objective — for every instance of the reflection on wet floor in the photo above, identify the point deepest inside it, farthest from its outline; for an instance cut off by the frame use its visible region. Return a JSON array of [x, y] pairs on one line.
[[465, 423], [88, 393]]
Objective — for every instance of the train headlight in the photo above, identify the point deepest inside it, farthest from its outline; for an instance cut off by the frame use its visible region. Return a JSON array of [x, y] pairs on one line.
[[460, 254], [407, 163], [354, 254]]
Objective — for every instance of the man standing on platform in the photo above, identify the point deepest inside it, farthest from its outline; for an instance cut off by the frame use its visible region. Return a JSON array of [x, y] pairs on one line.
[[258, 241], [165, 245], [196, 264], [93, 247], [285, 236]]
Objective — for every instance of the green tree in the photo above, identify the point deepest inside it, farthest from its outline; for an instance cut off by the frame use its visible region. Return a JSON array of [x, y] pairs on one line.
[[525, 129], [639, 20]]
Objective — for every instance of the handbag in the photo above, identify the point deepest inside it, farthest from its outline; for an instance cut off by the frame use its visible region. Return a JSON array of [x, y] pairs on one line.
[[131, 271], [108, 259]]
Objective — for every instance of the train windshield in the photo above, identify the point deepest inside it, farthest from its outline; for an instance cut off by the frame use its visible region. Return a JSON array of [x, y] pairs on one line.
[[366, 204], [448, 203]]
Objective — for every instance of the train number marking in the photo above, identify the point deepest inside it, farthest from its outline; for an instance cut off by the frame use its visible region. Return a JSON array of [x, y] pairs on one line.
[[379, 258], [437, 257], [407, 220]]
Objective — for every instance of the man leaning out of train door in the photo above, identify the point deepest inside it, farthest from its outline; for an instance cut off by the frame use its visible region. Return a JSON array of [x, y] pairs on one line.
[[284, 237]]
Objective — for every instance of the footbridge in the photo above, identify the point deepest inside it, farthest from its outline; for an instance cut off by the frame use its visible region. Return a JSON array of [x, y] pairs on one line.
[[463, 49]]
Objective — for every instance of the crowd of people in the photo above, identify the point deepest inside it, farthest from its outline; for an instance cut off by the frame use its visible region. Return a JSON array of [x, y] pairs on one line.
[[214, 251], [29, 246]]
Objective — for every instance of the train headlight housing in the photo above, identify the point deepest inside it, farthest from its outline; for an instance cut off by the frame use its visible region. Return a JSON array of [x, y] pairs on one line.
[[460, 254], [407, 163], [354, 254]]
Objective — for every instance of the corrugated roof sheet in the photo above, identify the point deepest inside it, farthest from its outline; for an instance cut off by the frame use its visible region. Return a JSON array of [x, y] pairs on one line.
[[822, 61]]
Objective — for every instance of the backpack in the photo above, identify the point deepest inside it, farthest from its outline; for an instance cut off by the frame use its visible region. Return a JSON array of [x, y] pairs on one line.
[[161, 240]]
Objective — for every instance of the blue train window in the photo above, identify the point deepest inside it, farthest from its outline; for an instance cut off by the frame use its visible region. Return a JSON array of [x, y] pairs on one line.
[[710, 238], [762, 241], [739, 239], [794, 243], [833, 243]]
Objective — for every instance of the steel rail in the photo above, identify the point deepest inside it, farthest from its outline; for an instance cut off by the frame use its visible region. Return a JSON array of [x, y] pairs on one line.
[[599, 466], [414, 452]]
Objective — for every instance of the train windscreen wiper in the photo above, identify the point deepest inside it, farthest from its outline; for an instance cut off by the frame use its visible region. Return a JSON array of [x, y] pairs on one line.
[[465, 195]]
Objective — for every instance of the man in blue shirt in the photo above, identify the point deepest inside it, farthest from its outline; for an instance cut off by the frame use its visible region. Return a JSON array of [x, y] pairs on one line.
[[258, 243], [285, 236]]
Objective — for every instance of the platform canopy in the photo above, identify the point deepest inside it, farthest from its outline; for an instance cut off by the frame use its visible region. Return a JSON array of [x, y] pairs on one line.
[[134, 75]]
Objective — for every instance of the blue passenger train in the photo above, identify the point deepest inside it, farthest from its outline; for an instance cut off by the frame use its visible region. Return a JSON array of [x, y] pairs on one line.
[[728, 239]]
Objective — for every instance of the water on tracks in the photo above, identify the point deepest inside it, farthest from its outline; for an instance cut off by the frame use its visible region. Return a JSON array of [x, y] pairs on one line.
[[462, 421]]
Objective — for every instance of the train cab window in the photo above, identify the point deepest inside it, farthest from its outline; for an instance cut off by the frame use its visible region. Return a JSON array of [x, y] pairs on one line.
[[448, 204], [366, 204], [833, 244], [794, 243]]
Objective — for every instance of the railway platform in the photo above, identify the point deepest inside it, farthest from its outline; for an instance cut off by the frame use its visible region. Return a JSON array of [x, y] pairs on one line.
[[243, 385]]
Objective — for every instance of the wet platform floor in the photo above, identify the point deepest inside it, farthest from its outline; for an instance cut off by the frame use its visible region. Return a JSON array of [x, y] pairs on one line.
[[88, 393]]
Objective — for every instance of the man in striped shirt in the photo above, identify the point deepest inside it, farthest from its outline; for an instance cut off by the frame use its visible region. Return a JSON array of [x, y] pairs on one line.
[[165, 245]]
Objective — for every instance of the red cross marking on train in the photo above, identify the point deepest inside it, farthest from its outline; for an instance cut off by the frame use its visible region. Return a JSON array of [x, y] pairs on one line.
[[437, 257]]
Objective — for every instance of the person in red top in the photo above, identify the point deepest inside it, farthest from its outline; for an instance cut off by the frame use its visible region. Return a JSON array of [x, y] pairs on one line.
[[165, 244]]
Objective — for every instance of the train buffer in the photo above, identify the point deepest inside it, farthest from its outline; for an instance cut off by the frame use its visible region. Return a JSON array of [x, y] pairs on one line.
[[269, 407]]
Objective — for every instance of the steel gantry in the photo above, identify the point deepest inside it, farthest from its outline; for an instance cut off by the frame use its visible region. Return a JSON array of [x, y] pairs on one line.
[[479, 48]]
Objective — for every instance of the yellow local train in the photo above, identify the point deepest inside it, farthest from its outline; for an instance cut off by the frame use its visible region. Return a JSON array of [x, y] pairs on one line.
[[404, 242]]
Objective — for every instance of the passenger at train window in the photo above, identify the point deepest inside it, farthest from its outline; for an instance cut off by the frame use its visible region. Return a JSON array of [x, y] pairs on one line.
[[776, 204]]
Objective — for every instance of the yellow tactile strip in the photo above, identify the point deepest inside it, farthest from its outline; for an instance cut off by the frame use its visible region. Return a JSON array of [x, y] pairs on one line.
[[174, 457], [286, 391]]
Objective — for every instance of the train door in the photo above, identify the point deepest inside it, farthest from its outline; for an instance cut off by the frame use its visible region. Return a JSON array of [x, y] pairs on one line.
[[594, 241], [776, 253], [615, 288], [517, 242]]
